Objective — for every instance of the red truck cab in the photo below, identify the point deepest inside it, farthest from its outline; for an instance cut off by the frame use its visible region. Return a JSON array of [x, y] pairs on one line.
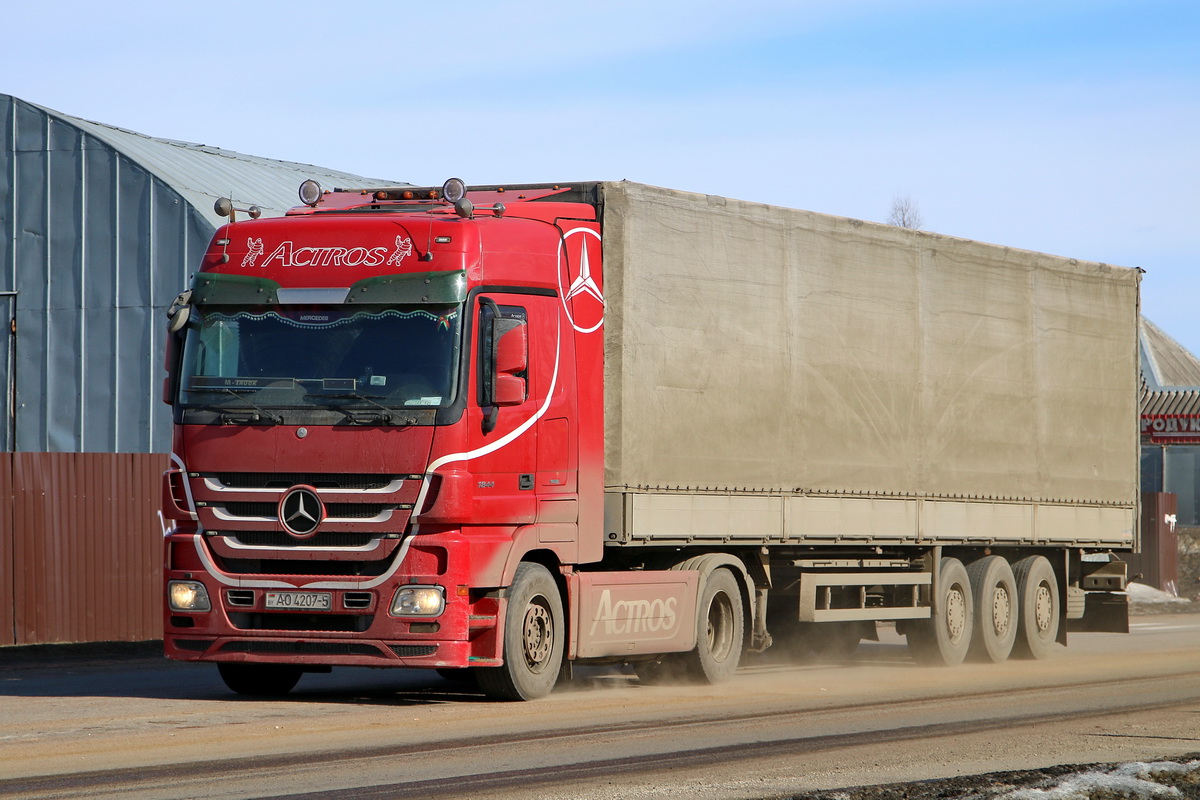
[[389, 420]]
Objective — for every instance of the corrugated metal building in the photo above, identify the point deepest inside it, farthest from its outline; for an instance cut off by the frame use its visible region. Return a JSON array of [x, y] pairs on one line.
[[1170, 423], [101, 227]]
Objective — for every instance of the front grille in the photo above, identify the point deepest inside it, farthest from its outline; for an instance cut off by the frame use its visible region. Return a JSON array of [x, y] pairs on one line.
[[332, 510], [303, 648], [281, 539], [412, 650], [240, 597], [278, 566], [286, 480], [329, 623]]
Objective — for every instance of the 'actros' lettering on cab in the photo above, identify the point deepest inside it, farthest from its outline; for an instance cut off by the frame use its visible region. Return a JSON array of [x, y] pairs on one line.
[[634, 616], [288, 254]]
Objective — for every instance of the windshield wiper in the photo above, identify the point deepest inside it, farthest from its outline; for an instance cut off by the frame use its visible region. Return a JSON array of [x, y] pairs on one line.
[[233, 418], [358, 416]]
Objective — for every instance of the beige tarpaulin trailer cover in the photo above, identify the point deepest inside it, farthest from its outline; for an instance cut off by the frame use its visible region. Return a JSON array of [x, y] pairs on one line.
[[775, 355]]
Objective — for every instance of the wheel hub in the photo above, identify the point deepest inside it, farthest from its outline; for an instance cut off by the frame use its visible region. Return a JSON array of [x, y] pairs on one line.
[[1043, 608], [956, 614], [538, 635], [1001, 611], [720, 621]]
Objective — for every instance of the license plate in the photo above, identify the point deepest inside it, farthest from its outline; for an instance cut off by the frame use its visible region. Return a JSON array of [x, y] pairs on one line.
[[309, 601]]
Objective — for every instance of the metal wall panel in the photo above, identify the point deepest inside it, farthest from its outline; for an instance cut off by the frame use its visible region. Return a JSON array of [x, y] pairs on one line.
[[7, 164], [7, 567], [86, 547], [99, 229], [62, 322], [1158, 562], [96, 357], [96, 247]]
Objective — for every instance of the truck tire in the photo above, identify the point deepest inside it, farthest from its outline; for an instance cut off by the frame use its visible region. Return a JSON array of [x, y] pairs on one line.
[[263, 680], [1038, 608], [995, 591], [944, 640], [533, 639], [720, 630]]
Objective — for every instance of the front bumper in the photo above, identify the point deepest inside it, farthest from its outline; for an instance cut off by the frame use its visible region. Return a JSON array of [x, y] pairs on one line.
[[353, 627]]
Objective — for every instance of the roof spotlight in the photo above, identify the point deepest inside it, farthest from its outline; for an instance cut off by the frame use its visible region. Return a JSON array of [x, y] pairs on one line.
[[310, 192], [454, 190]]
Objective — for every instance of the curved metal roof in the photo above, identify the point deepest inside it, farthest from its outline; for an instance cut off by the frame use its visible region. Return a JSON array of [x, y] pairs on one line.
[[201, 173], [1166, 364]]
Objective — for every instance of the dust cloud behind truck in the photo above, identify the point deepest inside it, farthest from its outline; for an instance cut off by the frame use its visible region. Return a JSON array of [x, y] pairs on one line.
[[654, 427]]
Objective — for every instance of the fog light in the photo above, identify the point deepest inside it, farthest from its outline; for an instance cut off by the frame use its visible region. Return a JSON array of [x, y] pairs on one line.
[[418, 601], [188, 596]]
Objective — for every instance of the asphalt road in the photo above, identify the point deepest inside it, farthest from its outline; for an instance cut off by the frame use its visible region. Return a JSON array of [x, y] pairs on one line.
[[141, 727]]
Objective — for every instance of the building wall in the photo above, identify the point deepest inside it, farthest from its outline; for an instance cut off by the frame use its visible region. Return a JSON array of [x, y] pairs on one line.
[[94, 249], [80, 547]]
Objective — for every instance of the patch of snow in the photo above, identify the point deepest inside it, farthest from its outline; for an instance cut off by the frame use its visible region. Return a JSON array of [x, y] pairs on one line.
[[1133, 780], [1141, 593]]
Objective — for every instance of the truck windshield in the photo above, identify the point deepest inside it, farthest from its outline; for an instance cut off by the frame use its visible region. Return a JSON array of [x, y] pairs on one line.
[[298, 357]]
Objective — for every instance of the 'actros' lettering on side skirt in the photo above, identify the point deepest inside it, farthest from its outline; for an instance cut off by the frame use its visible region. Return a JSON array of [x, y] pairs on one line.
[[634, 616]]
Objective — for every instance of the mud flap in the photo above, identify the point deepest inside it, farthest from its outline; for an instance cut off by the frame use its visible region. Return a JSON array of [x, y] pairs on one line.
[[1103, 612]]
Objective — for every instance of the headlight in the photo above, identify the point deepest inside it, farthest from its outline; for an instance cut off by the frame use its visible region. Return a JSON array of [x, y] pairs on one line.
[[187, 596], [418, 601]]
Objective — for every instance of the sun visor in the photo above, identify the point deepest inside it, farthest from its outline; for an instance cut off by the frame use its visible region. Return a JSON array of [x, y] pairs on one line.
[[214, 288]]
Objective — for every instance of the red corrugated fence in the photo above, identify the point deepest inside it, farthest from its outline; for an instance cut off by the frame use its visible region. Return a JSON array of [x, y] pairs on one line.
[[80, 547]]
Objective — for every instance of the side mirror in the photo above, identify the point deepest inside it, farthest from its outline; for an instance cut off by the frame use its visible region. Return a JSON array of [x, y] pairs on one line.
[[179, 312], [503, 361], [510, 357]]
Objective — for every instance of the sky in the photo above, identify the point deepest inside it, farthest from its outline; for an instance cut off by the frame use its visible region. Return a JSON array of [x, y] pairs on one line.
[[1067, 127]]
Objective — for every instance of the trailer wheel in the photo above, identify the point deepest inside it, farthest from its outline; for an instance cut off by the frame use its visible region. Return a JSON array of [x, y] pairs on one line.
[[720, 630], [944, 640], [533, 639], [264, 680], [995, 591], [1038, 608]]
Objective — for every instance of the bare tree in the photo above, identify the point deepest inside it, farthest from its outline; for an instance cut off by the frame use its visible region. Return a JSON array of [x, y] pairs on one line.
[[904, 213]]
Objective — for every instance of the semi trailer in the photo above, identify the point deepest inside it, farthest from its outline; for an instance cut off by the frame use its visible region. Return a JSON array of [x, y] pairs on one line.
[[502, 431]]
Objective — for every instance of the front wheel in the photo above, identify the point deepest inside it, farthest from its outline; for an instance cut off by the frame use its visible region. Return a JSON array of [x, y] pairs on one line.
[[533, 639], [263, 680]]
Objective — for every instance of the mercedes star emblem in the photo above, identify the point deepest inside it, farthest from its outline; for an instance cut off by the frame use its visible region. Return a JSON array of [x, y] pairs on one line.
[[301, 512]]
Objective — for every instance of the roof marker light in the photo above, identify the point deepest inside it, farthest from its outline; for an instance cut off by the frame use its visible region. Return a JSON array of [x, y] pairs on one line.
[[310, 192]]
